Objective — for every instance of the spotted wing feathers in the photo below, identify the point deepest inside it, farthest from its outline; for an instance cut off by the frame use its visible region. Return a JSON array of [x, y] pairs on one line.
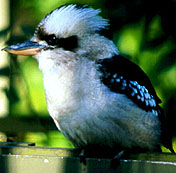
[[123, 76]]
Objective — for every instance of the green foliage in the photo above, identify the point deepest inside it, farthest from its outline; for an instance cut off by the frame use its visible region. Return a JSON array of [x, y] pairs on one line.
[[52, 139], [32, 98]]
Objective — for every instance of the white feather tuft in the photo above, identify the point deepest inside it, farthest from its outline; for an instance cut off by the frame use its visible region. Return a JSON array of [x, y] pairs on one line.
[[70, 19]]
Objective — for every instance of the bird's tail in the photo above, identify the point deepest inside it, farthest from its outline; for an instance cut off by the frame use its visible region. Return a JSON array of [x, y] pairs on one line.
[[166, 136]]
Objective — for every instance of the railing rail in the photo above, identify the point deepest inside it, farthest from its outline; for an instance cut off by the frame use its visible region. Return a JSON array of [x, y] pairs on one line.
[[25, 158]]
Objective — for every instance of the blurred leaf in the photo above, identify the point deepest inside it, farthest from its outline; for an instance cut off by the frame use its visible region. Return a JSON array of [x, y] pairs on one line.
[[4, 71], [12, 95], [167, 61], [34, 83], [130, 38], [155, 43], [4, 31], [28, 30]]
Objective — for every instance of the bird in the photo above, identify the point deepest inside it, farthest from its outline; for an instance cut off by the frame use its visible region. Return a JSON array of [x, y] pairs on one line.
[[98, 99]]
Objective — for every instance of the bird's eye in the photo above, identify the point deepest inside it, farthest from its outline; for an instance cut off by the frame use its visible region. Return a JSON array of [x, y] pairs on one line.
[[52, 40]]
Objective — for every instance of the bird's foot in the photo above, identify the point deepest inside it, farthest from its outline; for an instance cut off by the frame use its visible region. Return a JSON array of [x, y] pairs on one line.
[[83, 157], [115, 162]]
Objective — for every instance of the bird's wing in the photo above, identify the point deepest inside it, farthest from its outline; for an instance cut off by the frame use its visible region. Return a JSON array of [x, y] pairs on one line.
[[123, 76]]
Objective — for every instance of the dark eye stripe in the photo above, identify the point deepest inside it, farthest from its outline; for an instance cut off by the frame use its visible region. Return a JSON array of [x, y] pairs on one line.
[[69, 43]]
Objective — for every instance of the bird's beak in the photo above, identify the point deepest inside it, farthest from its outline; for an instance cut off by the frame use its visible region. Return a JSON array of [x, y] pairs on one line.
[[27, 48]]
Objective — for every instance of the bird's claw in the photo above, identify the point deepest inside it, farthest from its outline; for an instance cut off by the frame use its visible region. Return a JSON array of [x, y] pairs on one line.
[[115, 162], [82, 157]]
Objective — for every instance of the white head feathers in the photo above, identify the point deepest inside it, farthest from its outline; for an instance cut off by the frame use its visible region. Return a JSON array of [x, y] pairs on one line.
[[73, 19]]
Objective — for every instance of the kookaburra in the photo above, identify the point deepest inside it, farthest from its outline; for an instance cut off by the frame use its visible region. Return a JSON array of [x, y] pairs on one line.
[[97, 98]]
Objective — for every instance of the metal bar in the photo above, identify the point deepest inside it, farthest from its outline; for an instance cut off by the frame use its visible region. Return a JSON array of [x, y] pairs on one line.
[[31, 159]]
